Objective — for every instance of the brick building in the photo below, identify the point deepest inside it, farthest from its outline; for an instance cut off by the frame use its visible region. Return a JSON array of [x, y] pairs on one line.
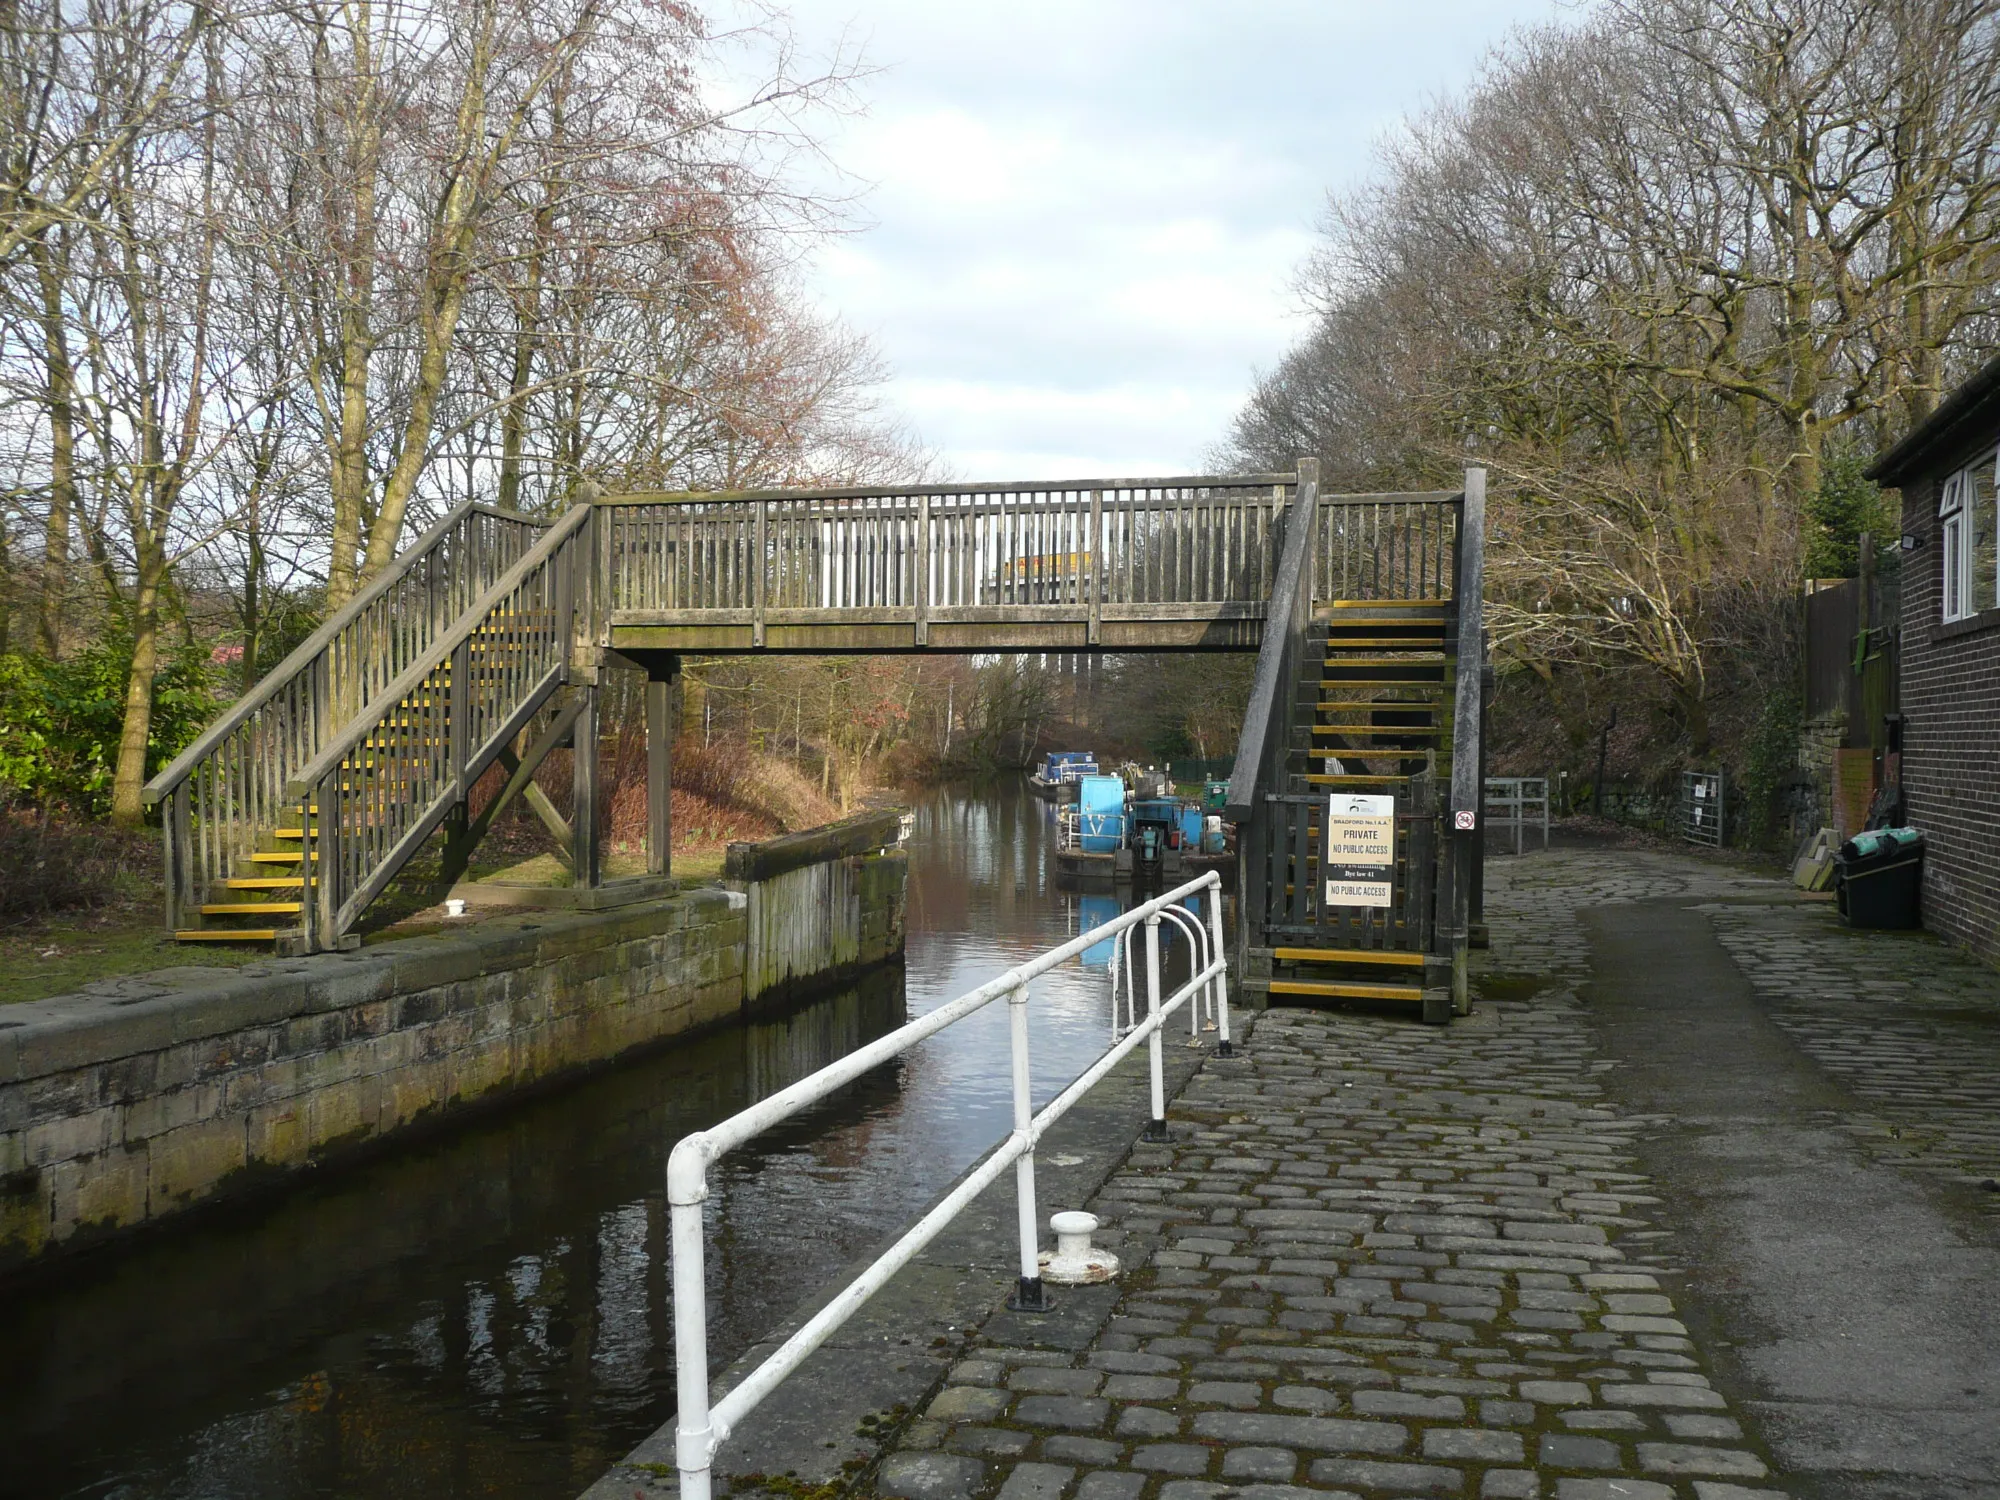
[[1950, 667]]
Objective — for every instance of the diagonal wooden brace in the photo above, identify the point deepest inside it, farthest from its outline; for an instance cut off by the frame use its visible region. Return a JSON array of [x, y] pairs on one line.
[[521, 783]]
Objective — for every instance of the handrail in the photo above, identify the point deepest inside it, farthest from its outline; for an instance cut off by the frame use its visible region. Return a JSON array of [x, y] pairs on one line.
[[1260, 752], [702, 1425], [412, 678], [980, 487], [443, 720], [301, 656]]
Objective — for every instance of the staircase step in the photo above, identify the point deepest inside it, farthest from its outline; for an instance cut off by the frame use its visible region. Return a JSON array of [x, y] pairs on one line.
[[1383, 643], [1326, 607], [1377, 731], [228, 934], [265, 883], [1332, 680], [250, 909], [1414, 659], [1361, 705], [1328, 989], [1322, 779], [1391, 956], [280, 856]]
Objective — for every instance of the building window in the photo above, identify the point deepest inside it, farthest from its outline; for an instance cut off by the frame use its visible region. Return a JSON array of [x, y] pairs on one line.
[[1967, 524]]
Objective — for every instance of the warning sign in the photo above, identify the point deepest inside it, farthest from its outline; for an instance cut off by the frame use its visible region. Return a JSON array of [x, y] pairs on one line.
[[1358, 893], [1360, 849], [1361, 831]]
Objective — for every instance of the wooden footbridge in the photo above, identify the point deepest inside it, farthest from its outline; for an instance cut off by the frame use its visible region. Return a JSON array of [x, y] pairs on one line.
[[485, 643]]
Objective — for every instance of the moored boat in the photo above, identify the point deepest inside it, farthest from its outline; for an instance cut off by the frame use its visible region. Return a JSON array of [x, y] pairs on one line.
[[1090, 836], [1055, 780]]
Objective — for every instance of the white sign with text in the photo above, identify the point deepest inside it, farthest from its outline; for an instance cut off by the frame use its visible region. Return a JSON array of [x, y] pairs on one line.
[[1360, 839]]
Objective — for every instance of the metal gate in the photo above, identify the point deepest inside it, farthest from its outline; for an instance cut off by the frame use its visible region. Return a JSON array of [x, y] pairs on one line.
[[1702, 807]]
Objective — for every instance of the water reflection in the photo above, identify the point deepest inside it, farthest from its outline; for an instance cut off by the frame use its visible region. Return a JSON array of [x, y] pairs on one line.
[[486, 1313]]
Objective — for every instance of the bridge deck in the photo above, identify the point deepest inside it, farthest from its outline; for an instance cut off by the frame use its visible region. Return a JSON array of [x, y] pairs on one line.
[[1175, 564]]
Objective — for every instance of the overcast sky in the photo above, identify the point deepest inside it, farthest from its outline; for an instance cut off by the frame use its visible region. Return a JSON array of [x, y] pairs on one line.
[[1083, 219]]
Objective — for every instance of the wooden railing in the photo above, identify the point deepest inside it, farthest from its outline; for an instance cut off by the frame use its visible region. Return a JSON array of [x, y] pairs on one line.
[[1263, 746], [1082, 550], [384, 783], [1387, 546], [230, 785]]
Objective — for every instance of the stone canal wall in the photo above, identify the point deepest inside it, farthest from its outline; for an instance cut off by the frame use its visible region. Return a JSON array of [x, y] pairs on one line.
[[139, 1098]]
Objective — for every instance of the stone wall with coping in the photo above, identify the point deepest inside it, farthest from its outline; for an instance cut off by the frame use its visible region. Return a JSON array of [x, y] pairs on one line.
[[139, 1098]]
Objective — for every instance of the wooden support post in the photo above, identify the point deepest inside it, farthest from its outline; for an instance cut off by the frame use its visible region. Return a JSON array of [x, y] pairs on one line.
[[757, 576], [1096, 627], [923, 567], [659, 774], [585, 854], [174, 828], [323, 866], [1468, 789], [458, 719]]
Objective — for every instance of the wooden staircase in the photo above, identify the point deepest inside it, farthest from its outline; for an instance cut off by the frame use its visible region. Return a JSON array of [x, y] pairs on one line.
[[1376, 712], [254, 905], [1361, 692], [299, 806]]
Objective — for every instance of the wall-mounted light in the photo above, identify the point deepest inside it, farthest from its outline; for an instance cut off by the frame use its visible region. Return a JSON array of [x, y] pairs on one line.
[[1910, 541]]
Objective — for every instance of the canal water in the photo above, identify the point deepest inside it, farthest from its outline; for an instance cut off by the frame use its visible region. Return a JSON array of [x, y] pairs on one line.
[[486, 1313]]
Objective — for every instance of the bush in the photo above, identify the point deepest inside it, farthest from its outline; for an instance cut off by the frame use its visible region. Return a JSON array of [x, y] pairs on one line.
[[60, 721], [47, 865]]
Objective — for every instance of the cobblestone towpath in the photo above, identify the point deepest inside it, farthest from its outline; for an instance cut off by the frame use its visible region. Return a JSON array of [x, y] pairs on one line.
[[1380, 1260]]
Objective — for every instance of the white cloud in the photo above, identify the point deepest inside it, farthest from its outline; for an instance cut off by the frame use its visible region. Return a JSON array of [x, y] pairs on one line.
[[1086, 217]]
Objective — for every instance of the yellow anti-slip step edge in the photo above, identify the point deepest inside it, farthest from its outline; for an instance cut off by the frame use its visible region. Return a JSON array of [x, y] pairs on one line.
[[227, 935], [1348, 956], [1377, 731], [1441, 605], [1383, 643], [1317, 779], [250, 909], [1424, 630], [1333, 990]]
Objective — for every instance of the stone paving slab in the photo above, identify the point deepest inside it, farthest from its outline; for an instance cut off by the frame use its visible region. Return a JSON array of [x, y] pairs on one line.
[[1376, 1260], [1379, 1260]]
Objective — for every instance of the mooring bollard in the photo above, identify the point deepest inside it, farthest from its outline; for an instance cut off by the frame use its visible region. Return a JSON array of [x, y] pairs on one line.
[[1075, 1261]]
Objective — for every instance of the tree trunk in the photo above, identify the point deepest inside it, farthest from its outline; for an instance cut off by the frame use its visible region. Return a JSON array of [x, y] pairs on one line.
[[129, 779], [61, 382]]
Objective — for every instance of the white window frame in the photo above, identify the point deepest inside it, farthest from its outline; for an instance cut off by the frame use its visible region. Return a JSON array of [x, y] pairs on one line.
[[1954, 546], [1957, 529]]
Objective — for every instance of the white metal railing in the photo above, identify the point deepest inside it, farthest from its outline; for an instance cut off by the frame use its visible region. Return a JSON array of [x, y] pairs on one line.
[[1188, 922], [1512, 800], [702, 1424], [1074, 825]]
